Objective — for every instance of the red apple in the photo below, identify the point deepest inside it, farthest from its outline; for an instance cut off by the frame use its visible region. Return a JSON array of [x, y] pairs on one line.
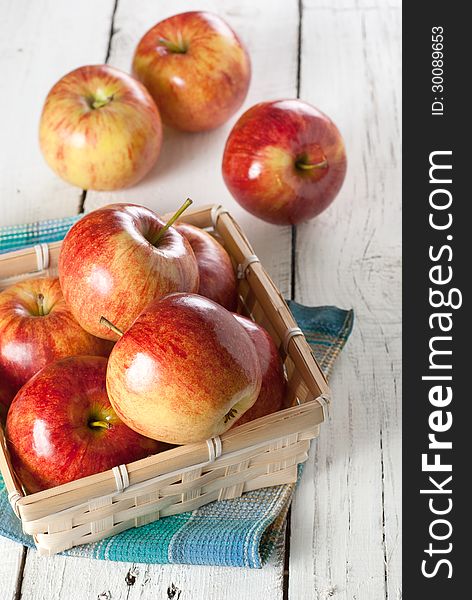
[[196, 69], [112, 263], [100, 129], [61, 426], [183, 371], [284, 161], [37, 328], [274, 385], [217, 278]]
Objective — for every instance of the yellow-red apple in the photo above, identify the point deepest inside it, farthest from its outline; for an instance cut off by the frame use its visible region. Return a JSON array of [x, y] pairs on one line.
[[61, 426], [217, 278], [284, 161], [113, 263], [37, 328], [184, 371], [100, 129], [196, 69]]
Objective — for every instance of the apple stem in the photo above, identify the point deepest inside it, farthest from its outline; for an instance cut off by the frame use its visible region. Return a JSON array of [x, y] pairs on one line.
[[171, 221], [102, 424], [99, 102], [309, 166], [109, 324], [40, 300], [177, 48]]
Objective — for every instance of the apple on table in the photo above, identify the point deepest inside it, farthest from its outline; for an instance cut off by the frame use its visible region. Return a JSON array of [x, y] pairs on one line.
[[184, 371], [61, 426], [284, 161], [116, 259], [36, 328], [196, 69], [100, 129]]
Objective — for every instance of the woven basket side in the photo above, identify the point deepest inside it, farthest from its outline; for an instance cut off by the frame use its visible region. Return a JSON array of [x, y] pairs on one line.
[[104, 516]]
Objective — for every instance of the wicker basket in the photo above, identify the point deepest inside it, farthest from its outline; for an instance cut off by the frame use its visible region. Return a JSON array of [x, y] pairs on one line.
[[261, 453]]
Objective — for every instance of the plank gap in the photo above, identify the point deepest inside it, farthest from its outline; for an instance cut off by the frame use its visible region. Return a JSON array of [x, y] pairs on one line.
[[384, 536], [293, 259], [112, 31], [298, 86], [82, 199], [299, 46], [286, 574], [293, 262], [21, 569]]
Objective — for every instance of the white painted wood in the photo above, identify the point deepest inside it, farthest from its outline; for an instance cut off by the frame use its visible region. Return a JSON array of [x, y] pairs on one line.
[[81, 579], [40, 42], [11, 555], [190, 164], [345, 540]]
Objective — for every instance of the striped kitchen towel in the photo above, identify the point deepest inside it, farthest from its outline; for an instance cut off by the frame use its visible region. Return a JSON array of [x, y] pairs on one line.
[[15, 237], [240, 532]]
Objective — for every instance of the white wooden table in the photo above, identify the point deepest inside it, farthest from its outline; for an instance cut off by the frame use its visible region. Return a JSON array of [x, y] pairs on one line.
[[344, 57]]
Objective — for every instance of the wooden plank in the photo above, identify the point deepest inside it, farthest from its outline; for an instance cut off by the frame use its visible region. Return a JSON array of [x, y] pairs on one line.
[[82, 579], [39, 43], [190, 164], [11, 565], [345, 540]]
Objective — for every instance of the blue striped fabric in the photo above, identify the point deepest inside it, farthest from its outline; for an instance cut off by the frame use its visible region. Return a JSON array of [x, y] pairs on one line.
[[15, 237]]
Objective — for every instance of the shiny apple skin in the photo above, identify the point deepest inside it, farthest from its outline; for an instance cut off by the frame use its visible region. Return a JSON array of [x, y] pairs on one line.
[[107, 266], [29, 341], [217, 278], [273, 392], [48, 431], [260, 161], [105, 148], [184, 371], [203, 87]]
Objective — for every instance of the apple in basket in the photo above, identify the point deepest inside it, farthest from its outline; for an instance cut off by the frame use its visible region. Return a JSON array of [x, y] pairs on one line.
[[36, 328], [61, 426], [284, 161], [195, 68], [100, 129], [274, 385], [184, 371], [117, 259], [217, 277]]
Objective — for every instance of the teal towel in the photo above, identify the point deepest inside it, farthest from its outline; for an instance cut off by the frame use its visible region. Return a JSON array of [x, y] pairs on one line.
[[240, 532], [15, 237]]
